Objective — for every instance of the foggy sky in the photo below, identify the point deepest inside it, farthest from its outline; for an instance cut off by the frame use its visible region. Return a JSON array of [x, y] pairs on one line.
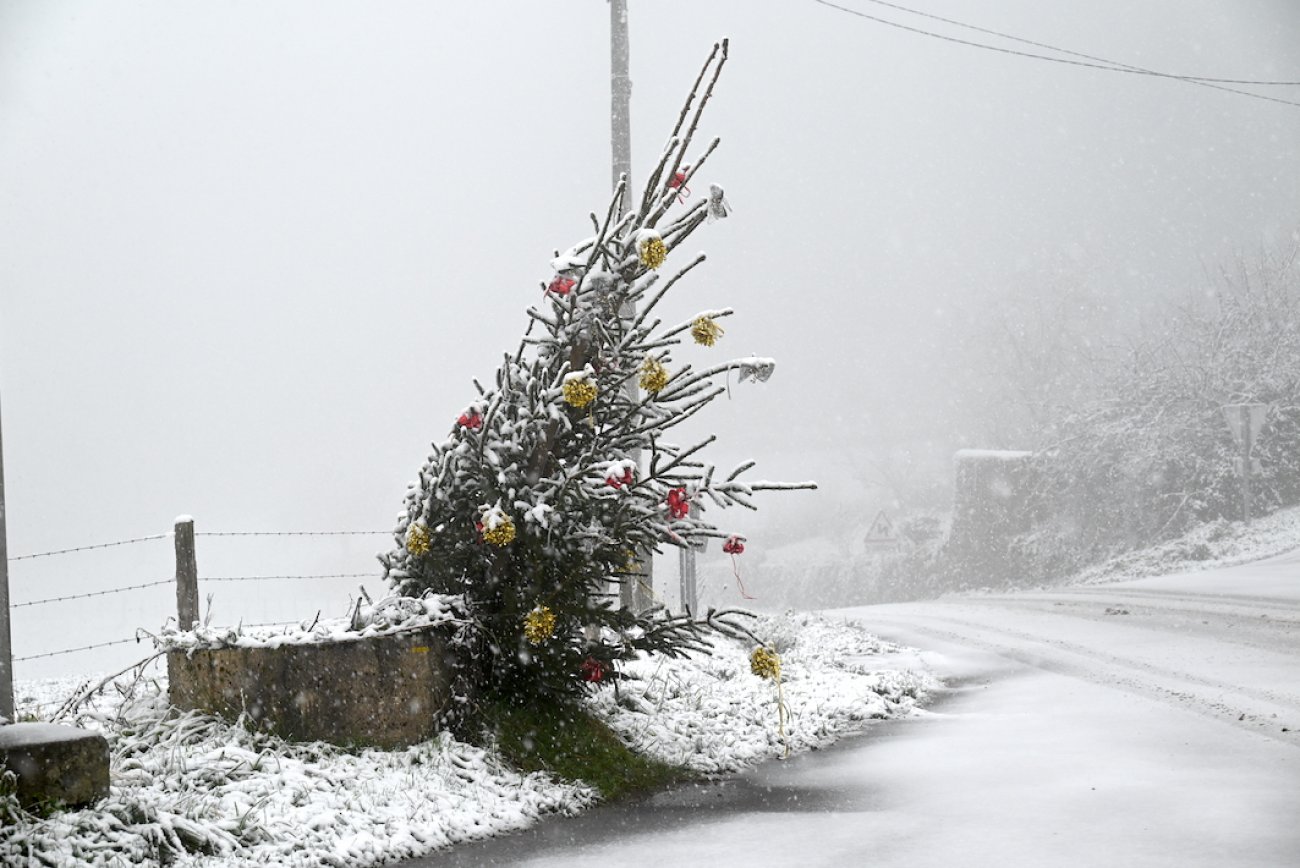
[[253, 254]]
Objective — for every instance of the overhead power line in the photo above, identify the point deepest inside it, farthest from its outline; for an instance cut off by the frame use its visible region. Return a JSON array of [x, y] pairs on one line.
[[1024, 41], [1090, 62]]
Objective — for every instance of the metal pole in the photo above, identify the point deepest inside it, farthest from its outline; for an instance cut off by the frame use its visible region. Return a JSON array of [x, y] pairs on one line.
[[686, 559], [637, 593], [1247, 446], [187, 575], [6, 648]]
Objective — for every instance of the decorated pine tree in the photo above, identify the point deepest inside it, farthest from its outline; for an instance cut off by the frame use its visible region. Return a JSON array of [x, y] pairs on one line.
[[558, 479]]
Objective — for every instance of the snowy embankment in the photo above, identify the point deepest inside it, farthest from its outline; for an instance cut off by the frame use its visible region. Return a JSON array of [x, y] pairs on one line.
[[187, 787], [1208, 546]]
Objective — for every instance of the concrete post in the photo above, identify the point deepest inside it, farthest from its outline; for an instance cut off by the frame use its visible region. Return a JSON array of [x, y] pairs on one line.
[[637, 593], [187, 575]]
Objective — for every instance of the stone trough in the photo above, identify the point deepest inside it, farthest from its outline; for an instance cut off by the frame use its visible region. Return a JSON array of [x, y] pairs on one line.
[[54, 765], [382, 692]]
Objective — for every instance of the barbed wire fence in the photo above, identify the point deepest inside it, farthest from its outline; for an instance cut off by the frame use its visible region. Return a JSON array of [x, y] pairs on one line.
[[124, 589]]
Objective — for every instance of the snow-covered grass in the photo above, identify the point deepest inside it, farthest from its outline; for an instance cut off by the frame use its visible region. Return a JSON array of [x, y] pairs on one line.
[[189, 789], [711, 715], [1207, 546]]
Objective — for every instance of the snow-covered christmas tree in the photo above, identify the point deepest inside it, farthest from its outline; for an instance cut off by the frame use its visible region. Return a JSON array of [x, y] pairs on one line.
[[556, 481]]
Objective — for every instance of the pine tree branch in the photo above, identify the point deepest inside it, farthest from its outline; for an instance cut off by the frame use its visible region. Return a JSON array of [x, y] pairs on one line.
[[686, 108], [677, 462], [690, 133], [655, 181], [686, 326]]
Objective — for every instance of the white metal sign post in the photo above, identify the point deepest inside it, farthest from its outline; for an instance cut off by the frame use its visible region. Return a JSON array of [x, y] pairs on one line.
[[6, 656], [688, 585], [1245, 422]]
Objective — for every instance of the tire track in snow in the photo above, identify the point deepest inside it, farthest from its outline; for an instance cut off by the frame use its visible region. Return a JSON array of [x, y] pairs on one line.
[[1238, 625], [1274, 607], [1263, 712]]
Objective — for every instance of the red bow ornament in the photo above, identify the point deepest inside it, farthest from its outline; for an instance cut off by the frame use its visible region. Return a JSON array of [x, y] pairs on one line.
[[678, 183], [734, 546], [561, 285], [679, 505], [592, 671], [619, 473], [470, 419]]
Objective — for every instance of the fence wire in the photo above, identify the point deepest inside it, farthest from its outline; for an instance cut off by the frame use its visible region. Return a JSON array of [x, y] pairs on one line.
[[107, 545], [369, 575], [92, 594], [168, 535], [293, 533], [74, 650]]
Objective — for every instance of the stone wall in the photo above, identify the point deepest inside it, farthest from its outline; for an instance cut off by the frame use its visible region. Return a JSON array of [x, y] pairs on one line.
[[382, 692], [990, 502]]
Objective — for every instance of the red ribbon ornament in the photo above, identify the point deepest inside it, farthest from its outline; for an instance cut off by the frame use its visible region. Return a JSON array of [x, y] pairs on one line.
[[561, 285], [471, 420], [620, 481], [679, 506], [678, 183], [734, 546], [592, 671]]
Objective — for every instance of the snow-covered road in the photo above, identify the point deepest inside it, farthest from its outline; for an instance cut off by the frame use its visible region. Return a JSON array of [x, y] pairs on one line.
[[1145, 723]]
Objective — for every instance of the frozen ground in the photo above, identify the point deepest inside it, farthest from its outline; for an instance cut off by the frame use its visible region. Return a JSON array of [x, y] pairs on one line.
[[1151, 722], [192, 790]]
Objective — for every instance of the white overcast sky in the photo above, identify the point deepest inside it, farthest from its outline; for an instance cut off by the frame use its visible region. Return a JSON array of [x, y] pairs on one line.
[[252, 253]]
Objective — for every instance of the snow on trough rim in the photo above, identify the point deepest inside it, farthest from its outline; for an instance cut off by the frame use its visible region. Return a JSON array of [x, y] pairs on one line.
[[190, 789]]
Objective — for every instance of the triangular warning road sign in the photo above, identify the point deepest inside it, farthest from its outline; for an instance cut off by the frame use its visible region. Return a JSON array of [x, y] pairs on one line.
[[882, 530]]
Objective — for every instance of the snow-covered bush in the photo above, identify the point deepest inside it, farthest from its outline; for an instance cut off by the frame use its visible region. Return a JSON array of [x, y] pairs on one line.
[[1153, 456]]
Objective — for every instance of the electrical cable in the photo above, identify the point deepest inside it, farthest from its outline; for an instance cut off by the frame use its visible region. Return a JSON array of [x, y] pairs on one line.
[[1024, 41], [1108, 66]]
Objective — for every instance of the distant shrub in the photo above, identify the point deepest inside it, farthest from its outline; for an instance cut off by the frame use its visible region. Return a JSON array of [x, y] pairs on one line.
[[1152, 456]]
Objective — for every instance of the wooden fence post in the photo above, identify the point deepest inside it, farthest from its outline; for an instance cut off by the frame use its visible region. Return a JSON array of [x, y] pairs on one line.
[[187, 575]]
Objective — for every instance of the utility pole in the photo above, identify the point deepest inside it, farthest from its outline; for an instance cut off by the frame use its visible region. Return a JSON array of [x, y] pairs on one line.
[[6, 646], [637, 592], [620, 108]]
